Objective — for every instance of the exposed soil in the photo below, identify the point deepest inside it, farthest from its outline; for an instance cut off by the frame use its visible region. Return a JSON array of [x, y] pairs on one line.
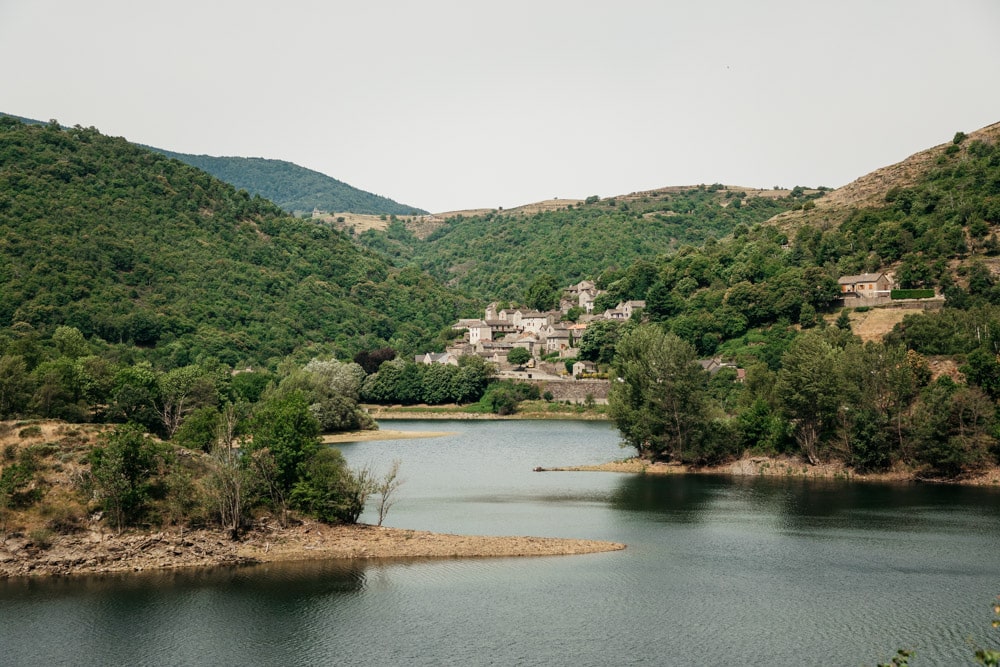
[[381, 434], [94, 551], [773, 467]]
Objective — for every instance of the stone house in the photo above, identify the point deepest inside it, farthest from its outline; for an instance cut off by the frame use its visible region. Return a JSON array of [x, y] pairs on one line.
[[480, 331], [557, 337], [865, 285], [436, 358]]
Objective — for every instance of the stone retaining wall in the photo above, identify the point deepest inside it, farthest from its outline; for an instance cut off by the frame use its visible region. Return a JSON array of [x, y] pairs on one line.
[[575, 391]]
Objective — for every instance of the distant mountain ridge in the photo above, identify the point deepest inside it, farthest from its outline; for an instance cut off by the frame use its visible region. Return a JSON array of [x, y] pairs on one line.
[[293, 188]]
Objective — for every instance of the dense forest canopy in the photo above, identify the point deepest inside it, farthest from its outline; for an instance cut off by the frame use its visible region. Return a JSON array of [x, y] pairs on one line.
[[131, 247], [498, 255], [293, 188]]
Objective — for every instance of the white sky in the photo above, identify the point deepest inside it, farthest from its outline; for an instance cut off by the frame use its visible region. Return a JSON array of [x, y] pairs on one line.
[[452, 104]]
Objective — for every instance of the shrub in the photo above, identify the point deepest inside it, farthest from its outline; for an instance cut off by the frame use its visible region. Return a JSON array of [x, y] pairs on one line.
[[911, 294]]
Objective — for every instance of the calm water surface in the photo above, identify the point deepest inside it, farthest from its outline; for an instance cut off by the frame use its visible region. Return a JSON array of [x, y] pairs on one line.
[[718, 571]]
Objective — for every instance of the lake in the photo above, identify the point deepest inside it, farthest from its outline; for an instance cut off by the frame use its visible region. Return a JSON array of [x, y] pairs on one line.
[[718, 570]]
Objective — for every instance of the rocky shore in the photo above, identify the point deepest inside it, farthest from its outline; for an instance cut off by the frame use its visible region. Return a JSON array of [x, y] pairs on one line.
[[91, 552], [767, 466]]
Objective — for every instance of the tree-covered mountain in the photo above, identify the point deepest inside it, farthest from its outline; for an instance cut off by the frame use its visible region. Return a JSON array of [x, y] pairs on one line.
[[129, 246], [293, 188], [497, 255]]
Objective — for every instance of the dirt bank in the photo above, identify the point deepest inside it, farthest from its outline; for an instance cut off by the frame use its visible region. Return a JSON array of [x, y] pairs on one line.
[[381, 434], [774, 467], [92, 552]]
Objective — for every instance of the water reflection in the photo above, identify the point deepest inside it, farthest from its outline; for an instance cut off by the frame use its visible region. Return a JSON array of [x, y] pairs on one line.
[[798, 504], [677, 498]]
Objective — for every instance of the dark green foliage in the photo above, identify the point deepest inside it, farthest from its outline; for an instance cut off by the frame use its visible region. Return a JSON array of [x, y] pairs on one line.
[[122, 471], [543, 293], [518, 356], [329, 490], [600, 339], [810, 389], [247, 387], [763, 430], [843, 321], [911, 294], [953, 429], [370, 360], [500, 255], [950, 331], [870, 446], [129, 247], [284, 425], [293, 188], [15, 386], [660, 401], [472, 378], [438, 384], [407, 382], [502, 398], [198, 430]]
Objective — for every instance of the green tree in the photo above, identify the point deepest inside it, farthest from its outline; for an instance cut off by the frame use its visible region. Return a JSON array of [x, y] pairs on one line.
[[659, 399], [438, 381], [518, 356], [544, 293], [284, 425], [599, 340], [134, 394], [122, 469], [70, 342], [810, 389], [181, 391], [952, 429], [329, 490], [473, 376]]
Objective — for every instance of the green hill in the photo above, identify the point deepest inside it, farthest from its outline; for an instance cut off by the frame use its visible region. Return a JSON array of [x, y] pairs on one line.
[[499, 254], [293, 188], [130, 246]]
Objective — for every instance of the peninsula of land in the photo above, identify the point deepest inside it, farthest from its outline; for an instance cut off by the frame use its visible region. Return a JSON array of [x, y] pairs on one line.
[[93, 551]]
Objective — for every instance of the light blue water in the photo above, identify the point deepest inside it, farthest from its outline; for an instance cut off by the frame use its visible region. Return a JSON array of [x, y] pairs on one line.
[[717, 571]]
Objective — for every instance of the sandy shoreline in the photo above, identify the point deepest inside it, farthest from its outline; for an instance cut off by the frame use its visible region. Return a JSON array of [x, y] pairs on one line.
[[91, 552], [381, 434]]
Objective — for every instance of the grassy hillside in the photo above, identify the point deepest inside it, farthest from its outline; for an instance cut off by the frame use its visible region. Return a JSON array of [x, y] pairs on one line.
[[498, 254], [291, 187], [130, 246]]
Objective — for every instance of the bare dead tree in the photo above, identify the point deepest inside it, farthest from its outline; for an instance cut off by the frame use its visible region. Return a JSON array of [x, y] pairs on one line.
[[230, 479], [386, 487]]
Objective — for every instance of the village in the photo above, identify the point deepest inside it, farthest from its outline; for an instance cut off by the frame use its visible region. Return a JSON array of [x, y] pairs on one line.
[[551, 338]]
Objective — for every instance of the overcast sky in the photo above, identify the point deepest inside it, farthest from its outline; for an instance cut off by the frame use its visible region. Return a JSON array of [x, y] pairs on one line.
[[458, 104]]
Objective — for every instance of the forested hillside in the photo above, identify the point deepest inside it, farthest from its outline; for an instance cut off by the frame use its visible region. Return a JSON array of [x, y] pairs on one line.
[[498, 255], [293, 188], [129, 246], [925, 397]]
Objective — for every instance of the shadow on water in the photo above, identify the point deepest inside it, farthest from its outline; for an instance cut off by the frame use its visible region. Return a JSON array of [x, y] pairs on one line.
[[675, 498], [806, 504], [275, 580]]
